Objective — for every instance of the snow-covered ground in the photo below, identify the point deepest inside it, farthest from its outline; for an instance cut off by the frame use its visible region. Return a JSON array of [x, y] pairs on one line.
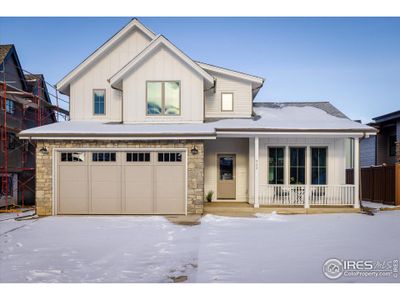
[[376, 205], [269, 248]]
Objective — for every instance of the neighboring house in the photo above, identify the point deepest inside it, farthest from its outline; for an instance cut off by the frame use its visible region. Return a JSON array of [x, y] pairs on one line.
[[384, 148], [17, 113], [152, 132]]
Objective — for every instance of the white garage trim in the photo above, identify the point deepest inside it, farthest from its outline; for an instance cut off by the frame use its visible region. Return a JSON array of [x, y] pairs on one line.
[[131, 149]]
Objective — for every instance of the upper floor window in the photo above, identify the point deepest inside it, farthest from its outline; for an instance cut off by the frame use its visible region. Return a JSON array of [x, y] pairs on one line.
[[392, 145], [318, 165], [227, 101], [99, 99], [10, 106], [163, 98]]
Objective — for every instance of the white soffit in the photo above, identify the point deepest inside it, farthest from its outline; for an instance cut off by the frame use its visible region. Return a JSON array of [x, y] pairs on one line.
[[232, 73]]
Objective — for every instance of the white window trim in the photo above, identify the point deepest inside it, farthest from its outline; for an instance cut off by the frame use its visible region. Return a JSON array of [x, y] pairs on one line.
[[286, 177], [222, 102]]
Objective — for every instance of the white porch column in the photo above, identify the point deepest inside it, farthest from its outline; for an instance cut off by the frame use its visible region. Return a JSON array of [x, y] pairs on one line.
[[308, 178], [256, 172], [286, 179], [356, 173]]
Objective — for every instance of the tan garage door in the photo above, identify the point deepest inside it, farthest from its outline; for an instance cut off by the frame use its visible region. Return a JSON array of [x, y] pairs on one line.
[[111, 182]]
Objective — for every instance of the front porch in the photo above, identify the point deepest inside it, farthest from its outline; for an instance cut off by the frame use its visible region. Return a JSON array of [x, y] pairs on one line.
[[307, 189], [248, 210], [303, 174]]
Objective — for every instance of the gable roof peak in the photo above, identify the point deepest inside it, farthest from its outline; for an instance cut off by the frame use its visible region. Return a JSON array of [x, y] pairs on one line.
[[63, 84], [154, 44]]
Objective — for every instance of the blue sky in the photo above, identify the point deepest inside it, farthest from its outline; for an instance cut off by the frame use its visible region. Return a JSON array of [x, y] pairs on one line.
[[352, 62]]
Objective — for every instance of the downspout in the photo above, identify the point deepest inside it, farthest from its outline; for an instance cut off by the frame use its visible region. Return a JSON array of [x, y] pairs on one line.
[[122, 98], [363, 209], [213, 87]]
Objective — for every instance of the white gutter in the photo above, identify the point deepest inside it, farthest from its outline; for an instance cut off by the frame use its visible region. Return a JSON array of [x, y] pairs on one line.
[[119, 138], [291, 133]]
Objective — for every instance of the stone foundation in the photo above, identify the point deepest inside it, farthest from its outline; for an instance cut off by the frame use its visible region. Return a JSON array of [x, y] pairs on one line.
[[44, 165]]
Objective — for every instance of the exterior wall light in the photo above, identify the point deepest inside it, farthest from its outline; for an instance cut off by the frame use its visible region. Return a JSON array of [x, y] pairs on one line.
[[194, 150], [44, 150]]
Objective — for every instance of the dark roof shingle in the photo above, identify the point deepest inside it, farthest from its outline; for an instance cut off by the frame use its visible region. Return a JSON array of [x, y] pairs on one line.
[[4, 49]]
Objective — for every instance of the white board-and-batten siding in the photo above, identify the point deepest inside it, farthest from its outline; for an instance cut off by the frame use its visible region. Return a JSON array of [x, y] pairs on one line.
[[237, 146], [96, 75], [163, 65], [336, 161]]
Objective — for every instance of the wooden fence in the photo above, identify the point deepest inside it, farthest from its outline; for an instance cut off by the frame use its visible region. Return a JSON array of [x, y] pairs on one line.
[[378, 183]]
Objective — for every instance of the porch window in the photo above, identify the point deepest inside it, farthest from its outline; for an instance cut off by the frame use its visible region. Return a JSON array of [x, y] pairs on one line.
[[163, 98], [297, 165], [318, 165], [276, 165], [99, 102]]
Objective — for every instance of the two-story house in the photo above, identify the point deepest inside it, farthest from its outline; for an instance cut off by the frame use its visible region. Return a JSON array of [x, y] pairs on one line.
[[19, 111], [153, 131], [384, 148]]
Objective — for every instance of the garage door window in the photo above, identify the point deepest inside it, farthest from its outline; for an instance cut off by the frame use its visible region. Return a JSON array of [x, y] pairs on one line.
[[72, 156], [104, 156], [170, 156], [138, 156]]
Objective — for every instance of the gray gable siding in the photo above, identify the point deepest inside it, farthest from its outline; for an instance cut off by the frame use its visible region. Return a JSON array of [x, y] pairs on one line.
[[367, 152]]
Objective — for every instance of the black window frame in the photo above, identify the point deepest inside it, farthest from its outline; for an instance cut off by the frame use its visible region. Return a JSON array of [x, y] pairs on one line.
[[276, 165], [104, 156], [68, 156], [138, 156], [294, 180], [170, 156], [318, 167]]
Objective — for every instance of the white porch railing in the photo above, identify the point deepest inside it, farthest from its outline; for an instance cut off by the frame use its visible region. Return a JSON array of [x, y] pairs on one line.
[[332, 195], [303, 195]]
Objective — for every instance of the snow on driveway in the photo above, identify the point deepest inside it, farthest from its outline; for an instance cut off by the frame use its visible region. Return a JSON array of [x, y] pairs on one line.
[[269, 248]]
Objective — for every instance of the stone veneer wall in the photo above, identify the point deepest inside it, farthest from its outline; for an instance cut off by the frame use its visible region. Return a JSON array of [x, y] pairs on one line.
[[44, 168]]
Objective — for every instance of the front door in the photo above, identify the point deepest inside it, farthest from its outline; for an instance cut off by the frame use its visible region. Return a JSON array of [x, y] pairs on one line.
[[226, 188]]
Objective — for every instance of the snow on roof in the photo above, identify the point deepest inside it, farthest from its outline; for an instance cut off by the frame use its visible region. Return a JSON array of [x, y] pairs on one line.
[[267, 118], [292, 118], [117, 129]]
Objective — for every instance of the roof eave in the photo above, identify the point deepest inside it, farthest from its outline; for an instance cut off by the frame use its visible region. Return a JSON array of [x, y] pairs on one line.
[[232, 73]]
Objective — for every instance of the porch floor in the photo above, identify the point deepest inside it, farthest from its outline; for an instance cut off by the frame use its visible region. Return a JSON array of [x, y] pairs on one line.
[[246, 209]]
